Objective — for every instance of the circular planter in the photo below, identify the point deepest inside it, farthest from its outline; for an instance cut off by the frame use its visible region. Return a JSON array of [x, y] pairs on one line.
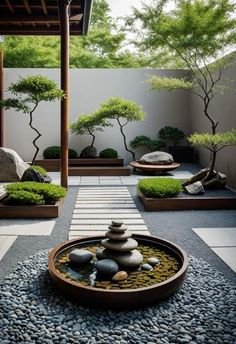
[[119, 299], [154, 168]]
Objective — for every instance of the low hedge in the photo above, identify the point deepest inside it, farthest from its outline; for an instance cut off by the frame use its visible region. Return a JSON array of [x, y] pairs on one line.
[[39, 169], [159, 187], [24, 197], [50, 193], [54, 152], [108, 153]]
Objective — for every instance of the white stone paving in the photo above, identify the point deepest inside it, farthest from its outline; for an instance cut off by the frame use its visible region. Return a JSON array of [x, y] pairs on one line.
[[26, 227], [95, 207], [5, 244]]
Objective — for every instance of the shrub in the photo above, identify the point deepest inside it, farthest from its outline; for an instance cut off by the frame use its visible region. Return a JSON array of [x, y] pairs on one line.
[[51, 193], [108, 153], [54, 152], [145, 141], [22, 197], [39, 169], [171, 134], [159, 187]]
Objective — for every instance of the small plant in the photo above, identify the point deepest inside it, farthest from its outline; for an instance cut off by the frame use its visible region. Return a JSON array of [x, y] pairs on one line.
[[145, 141], [39, 169], [171, 135], [54, 152], [108, 153], [24, 198], [51, 193], [123, 111], [29, 92], [88, 124], [159, 187]]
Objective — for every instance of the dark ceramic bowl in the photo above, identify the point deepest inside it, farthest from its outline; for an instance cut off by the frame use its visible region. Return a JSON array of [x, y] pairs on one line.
[[125, 298]]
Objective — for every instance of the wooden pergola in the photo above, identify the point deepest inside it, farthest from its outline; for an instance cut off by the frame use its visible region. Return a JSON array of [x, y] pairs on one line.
[[47, 17]]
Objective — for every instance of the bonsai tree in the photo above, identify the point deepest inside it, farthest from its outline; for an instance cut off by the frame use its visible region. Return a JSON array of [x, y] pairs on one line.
[[88, 124], [147, 142], [29, 92], [171, 135], [123, 112], [195, 33]]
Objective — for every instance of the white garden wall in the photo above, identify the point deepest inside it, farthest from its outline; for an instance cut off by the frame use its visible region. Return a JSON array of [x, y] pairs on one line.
[[88, 87]]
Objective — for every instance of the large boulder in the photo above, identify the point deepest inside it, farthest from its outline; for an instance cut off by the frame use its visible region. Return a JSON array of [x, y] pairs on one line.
[[12, 166], [156, 158], [88, 152]]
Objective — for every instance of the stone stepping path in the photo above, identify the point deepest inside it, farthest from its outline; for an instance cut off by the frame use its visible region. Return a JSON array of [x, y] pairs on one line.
[[95, 207]]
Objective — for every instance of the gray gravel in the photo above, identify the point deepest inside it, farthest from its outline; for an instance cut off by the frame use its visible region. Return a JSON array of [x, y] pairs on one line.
[[203, 311]]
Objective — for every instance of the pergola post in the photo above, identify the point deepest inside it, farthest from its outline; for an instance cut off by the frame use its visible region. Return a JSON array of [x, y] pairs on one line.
[[65, 34], [1, 97]]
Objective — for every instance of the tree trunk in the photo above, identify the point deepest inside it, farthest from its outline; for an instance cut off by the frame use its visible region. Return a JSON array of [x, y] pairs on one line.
[[125, 142], [92, 139], [37, 137]]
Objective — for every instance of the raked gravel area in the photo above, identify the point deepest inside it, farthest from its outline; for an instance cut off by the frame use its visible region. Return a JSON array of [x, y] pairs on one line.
[[202, 311]]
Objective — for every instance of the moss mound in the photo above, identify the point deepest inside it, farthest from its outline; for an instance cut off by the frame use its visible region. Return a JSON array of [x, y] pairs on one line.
[[159, 187], [54, 152], [108, 153]]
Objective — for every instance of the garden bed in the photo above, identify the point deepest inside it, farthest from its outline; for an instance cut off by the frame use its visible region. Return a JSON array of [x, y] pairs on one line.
[[30, 211], [53, 165], [214, 199]]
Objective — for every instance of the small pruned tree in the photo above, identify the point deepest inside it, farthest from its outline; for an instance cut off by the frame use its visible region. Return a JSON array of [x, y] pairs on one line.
[[171, 135], [196, 32], [123, 111], [29, 92], [88, 124]]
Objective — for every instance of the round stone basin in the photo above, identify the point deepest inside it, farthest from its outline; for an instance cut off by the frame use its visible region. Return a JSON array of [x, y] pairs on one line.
[[91, 292]]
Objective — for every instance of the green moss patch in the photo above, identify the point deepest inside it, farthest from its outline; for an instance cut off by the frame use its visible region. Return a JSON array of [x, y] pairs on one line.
[[39, 169], [159, 187], [108, 153], [27, 192]]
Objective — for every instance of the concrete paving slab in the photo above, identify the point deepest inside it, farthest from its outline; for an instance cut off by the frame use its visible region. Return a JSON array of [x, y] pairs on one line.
[[106, 211], [217, 237], [76, 221], [5, 244], [109, 216], [26, 227], [228, 255], [104, 205], [104, 227]]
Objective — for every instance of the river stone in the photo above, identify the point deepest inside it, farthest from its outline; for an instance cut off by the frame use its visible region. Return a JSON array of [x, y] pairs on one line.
[[88, 152], [195, 188], [119, 236], [153, 261], [117, 229], [120, 246], [156, 158], [120, 276], [12, 166], [80, 256], [32, 175], [129, 260], [147, 266], [107, 267], [117, 223]]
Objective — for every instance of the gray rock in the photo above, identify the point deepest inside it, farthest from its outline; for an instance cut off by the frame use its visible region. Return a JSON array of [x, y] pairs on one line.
[[156, 158], [153, 261], [12, 166], [119, 236], [120, 246], [147, 267], [117, 228], [88, 152], [129, 260], [80, 256], [117, 223], [195, 188], [31, 175], [107, 267]]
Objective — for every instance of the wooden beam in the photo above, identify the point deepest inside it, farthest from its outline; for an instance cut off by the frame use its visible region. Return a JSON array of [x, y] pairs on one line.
[[29, 19], [27, 6], [37, 30], [1, 97], [44, 7], [9, 6], [65, 36]]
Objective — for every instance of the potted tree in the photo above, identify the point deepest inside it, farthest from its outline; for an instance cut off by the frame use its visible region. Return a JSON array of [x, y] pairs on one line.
[[29, 92], [172, 136]]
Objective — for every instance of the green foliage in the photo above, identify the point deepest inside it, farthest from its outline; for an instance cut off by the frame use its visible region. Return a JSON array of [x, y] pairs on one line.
[[145, 141], [172, 134], [88, 124], [51, 193], [159, 187], [108, 153], [119, 108], [168, 83], [54, 152], [39, 169], [214, 142], [22, 197]]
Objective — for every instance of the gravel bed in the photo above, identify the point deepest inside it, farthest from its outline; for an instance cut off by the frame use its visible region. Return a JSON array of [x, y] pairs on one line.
[[203, 311]]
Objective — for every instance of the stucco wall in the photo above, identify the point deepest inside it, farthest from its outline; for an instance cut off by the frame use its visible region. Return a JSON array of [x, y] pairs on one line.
[[88, 87], [223, 109]]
